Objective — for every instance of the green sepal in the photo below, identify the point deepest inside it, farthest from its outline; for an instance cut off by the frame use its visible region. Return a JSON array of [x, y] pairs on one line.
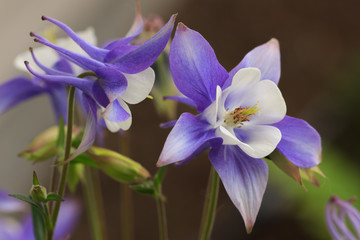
[[38, 193], [35, 179], [53, 197], [145, 188], [152, 187], [286, 166], [39, 226]]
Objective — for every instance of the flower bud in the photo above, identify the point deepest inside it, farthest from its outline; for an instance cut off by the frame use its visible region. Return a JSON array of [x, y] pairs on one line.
[[38, 193], [44, 146], [117, 166]]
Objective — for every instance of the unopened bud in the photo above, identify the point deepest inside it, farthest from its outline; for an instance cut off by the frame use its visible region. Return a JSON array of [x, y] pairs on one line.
[[117, 166], [44, 146], [38, 193]]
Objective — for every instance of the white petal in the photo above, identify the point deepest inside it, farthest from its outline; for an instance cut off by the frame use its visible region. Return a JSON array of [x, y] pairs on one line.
[[259, 140], [116, 126], [271, 104], [229, 138], [244, 80], [48, 57], [139, 86], [212, 111]]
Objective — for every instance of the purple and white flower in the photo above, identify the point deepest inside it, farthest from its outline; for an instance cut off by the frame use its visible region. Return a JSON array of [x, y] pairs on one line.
[[339, 216], [22, 88], [121, 74], [242, 118]]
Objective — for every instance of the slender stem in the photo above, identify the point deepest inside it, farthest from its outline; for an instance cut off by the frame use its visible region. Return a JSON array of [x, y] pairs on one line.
[[62, 183], [49, 226], [53, 183], [210, 203], [94, 204], [160, 204], [126, 201]]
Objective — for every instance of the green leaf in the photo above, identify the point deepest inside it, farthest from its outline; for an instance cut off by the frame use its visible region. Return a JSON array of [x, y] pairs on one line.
[[25, 199], [145, 188], [53, 197], [38, 223]]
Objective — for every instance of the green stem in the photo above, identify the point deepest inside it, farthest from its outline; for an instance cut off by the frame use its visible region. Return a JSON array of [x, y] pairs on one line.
[[49, 226], [126, 201], [53, 183], [94, 204], [160, 204], [209, 210], [62, 183]]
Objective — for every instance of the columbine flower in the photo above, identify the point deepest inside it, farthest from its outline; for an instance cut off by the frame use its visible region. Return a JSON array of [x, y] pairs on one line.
[[121, 74], [13, 229], [242, 118], [339, 215], [21, 88]]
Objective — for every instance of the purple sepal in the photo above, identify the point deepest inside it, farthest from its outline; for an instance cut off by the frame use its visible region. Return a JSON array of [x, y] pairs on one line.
[[145, 55], [265, 57], [16, 91], [181, 99], [188, 135], [300, 142], [194, 67], [244, 179], [119, 51]]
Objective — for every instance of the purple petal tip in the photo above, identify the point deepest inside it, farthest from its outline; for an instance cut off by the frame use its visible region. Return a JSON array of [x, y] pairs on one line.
[[181, 27], [273, 42]]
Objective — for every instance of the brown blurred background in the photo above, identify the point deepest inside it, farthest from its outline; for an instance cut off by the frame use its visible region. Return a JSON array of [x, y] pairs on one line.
[[320, 52]]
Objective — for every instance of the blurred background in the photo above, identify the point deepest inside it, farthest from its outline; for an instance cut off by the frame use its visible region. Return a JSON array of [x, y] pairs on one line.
[[320, 81]]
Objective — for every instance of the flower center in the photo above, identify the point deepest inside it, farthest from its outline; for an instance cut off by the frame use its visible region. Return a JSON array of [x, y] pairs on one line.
[[239, 115]]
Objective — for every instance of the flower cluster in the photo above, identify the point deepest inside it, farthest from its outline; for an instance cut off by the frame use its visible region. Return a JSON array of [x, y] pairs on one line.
[[241, 114]]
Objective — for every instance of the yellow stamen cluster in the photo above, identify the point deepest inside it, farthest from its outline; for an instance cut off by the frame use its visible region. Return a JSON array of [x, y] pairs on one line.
[[239, 115]]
